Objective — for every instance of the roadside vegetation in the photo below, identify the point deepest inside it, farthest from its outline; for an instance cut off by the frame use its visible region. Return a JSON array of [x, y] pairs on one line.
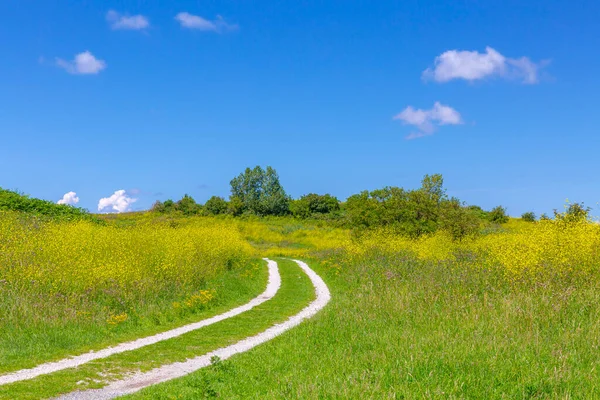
[[431, 297], [67, 287]]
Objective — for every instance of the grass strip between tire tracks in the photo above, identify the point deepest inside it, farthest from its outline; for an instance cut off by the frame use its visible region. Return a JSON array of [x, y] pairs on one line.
[[295, 292]]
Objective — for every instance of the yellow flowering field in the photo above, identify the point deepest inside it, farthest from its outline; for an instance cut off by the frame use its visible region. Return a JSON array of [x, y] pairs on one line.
[[60, 280], [544, 248]]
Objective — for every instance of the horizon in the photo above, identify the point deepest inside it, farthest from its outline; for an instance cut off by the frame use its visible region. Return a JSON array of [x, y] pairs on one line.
[[161, 100]]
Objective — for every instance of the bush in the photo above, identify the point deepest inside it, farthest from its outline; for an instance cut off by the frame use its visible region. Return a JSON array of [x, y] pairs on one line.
[[412, 212], [457, 220], [574, 212], [215, 205], [235, 206], [311, 205], [498, 215], [528, 216], [187, 205]]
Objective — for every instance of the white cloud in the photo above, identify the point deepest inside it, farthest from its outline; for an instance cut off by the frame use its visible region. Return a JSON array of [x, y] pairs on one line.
[[123, 21], [472, 65], [69, 198], [83, 64], [426, 121], [119, 202], [190, 21]]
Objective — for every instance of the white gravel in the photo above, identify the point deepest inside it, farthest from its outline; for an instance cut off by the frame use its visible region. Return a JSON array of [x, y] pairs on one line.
[[167, 372], [273, 285]]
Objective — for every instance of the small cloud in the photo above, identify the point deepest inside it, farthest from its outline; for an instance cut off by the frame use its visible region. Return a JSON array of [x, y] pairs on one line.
[[69, 198], [135, 191], [190, 21], [472, 66], [203, 186], [157, 194], [83, 64], [123, 21], [119, 202], [427, 121]]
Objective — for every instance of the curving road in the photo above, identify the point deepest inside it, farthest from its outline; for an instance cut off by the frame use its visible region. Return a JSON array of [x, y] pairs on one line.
[[175, 370], [273, 286]]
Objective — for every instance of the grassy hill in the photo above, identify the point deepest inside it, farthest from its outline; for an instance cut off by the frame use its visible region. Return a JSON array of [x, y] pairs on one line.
[[14, 201]]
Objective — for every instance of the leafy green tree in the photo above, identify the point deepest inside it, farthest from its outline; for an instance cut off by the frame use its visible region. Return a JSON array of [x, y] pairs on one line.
[[260, 192], [158, 206], [235, 206], [528, 216], [413, 212], [273, 200], [168, 206], [215, 205], [187, 205], [498, 215], [457, 220], [314, 204], [574, 212], [248, 188]]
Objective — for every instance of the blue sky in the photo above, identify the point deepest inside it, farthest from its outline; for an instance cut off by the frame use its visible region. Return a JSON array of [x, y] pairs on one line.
[[178, 97]]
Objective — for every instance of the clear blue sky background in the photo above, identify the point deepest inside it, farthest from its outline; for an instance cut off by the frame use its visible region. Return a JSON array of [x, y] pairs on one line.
[[309, 88]]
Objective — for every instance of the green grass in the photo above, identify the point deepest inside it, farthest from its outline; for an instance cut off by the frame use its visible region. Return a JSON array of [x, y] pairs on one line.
[[14, 201], [295, 293], [401, 329], [27, 347]]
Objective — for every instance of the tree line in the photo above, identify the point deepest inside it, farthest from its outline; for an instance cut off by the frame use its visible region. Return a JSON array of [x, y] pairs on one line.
[[413, 213]]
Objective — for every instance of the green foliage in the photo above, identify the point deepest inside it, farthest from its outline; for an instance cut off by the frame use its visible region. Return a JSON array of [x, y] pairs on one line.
[[457, 220], [528, 216], [215, 205], [574, 212], [311, 205], [186, 206], [235, 206], [411, 212], [13, 201], [260, 192], [544, 217], [498, 215], [478, 211]]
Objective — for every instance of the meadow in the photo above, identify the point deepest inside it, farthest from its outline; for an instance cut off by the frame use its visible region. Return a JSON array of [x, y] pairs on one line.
[[66, 287], [508, 312]]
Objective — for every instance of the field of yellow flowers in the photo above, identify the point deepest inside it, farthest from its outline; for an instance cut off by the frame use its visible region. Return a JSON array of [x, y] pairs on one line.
[[67, 285], [512, 312]]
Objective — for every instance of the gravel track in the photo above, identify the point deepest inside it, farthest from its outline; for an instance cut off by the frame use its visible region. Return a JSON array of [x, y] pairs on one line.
[[170, 371], [273, 285]]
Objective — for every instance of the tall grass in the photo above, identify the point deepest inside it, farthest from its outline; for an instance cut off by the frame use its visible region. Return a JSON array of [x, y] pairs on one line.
[[510, 314], [61, 281]]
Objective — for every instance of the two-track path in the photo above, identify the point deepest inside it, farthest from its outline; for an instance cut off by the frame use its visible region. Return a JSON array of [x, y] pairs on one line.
[[170, 371]]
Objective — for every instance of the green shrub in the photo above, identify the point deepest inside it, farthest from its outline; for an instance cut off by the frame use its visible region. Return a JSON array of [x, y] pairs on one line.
[[574, 212], [457, 220], [187, 205], [314, 205], [215, 205], [528, 216], [498, 215], [412, 212]]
